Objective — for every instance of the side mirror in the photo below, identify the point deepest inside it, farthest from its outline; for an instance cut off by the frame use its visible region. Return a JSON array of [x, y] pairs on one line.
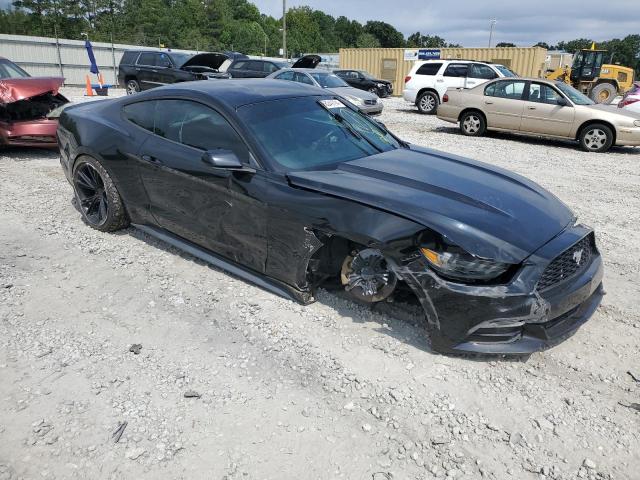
[[562, 102], [224, 159]]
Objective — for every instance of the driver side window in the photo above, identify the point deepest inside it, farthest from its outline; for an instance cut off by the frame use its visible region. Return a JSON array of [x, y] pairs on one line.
[[285, 76], [163, 61], [198, 126], [510, 89], [302, 78], [541, 93]]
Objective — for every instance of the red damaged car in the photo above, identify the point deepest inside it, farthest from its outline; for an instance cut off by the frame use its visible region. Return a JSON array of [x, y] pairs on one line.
[[29, 107]]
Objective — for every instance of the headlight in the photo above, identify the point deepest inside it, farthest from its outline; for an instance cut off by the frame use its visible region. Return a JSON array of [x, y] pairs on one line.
[[380, 85], [456, 264], [636, 123]]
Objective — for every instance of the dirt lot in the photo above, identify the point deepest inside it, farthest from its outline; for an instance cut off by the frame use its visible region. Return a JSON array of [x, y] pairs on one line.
[[280, 391]]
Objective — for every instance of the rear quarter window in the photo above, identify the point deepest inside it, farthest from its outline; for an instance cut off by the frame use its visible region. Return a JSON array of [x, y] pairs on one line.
[[129, 58], [141, 113], [429, 69]]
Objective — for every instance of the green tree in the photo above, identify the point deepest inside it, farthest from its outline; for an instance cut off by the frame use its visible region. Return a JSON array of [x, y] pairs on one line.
[[386, 34], [428, 41], [505, 44], [366, 40], [573, 46]]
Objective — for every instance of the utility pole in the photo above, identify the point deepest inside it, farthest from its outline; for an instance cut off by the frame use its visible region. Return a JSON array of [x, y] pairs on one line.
[[492, 23], [284, 28]]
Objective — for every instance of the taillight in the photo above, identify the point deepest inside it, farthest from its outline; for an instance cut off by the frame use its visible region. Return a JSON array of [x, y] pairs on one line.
[[628, 101], [445, 98], [407, 78]]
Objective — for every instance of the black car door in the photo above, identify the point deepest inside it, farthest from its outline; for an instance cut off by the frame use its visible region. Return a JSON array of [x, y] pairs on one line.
[[212, 207], [146, 70]]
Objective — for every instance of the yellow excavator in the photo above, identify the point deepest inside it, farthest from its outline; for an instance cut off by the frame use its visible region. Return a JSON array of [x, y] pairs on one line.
[[601, 83]]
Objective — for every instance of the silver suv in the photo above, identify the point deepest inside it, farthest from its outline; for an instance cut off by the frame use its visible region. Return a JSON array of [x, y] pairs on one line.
[[428, 80]]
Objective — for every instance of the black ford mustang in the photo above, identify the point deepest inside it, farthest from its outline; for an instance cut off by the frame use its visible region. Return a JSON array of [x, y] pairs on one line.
[[290, 187]]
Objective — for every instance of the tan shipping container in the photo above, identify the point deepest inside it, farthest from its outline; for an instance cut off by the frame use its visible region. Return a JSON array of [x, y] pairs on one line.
[[390, 64]]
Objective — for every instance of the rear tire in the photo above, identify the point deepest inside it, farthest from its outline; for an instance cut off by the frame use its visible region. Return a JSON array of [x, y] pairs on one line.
[[473, 124], [133, 87], [97, 196], [427, 103], [604, 93], [596, 138]]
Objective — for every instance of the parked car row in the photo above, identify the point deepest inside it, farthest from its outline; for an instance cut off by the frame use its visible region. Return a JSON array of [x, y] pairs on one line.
[[143, 70]]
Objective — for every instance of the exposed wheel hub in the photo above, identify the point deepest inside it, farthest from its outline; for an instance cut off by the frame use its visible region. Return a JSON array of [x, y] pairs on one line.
[[367, 277]]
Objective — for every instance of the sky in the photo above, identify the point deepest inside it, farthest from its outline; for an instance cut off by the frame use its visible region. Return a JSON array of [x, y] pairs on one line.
[[467, 21]]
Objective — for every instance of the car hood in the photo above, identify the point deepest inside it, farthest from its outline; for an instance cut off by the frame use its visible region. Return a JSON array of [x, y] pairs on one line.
[[211, 60], [613, 112], [354, 92], [16, 89], [308, 61], [490, 212]]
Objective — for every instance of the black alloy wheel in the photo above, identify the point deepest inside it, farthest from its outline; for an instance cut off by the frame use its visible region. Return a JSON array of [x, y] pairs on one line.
[[92, 196], [97, 197]]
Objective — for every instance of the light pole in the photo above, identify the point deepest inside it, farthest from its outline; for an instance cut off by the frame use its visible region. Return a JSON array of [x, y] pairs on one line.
[[492, 23], [284, 28]]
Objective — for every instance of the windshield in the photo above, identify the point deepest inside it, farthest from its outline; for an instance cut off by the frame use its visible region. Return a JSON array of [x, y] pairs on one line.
[[11, 70], [308, 133], [574, 95], [180, 58], [328, 80], [366, 75], [505, 71]]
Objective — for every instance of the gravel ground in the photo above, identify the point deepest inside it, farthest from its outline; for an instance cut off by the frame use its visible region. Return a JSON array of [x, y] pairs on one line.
[[232, 382]]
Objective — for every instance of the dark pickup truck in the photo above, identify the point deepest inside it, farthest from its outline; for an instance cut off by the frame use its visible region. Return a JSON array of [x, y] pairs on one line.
[[145, 69]]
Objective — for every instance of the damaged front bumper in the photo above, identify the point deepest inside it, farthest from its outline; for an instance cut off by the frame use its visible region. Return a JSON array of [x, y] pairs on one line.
[[514, 318]]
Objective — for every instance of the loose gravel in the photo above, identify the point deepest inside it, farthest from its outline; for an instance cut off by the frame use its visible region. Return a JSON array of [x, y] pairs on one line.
[[121, 357]]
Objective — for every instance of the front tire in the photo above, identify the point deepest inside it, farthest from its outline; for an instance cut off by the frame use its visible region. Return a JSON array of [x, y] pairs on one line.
[[473, 124], [133, 87], [604, 93], [427, 103], [596, 138], [97, 197]]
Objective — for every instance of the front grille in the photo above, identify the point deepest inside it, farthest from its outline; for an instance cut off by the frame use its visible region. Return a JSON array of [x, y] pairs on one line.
[[570, 262]]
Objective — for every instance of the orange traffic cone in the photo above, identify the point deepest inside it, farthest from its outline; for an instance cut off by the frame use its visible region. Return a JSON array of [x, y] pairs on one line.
[[89, 89]]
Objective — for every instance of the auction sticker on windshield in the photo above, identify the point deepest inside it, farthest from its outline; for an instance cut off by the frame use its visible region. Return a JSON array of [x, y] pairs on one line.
[[331, 104]]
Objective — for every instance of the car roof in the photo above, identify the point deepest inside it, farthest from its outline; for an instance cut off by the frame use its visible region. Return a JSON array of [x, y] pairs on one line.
[[304, 70], [242, 91]]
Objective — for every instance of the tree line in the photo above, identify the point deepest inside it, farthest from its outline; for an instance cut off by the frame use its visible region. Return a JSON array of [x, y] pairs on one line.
[[202, 25], [214, 25]]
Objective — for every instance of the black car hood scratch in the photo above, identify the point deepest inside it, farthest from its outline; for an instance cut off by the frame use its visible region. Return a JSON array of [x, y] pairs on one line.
[[488, 211]]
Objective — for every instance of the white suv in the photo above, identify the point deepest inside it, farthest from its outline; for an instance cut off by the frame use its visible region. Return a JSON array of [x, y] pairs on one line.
[[428, 80]]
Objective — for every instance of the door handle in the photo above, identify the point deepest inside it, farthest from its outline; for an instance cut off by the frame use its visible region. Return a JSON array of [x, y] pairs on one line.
[[440, 81], [531, 108], [487, 102], [154, 71]]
